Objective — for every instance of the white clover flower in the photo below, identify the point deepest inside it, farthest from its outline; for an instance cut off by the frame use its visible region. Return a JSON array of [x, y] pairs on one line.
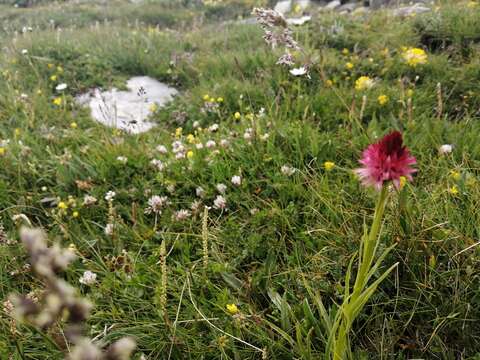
[[199, 191], [220, 202], [162, 149], [158, 164], [89, 200], [180, 155], [88, 278], [236, 180], [156, 204], [199, 146], [224, 143], [213, 128], [61, 87], [122, 159], [445, 149], [181, 215], [265, 137], [196, 124], [210, 144], [288, 170], [110, 195], [177, 146], [298, 71], [221, 188]]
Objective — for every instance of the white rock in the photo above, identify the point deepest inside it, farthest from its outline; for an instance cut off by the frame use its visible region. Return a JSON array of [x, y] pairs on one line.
[[299, 21], [332, 5], [128, 110], [411, 10], [283, 7]]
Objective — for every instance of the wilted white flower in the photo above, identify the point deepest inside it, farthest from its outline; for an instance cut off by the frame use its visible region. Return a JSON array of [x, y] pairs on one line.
[[298, 71], [445, 149], [89, 200], [158, 164], [61, 87], [288, 170], [224, 143], [221, 188], [156, 204], [88, 278], [110, 195], [248, 134], [236, 180], [195, 205], [109, 229], [122, 159], [210, 144], [265, 137], [161, 149], [199, 191], [220, 202], [181, 215]]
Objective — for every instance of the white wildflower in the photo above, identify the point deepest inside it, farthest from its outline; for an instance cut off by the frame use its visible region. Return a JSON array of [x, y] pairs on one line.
[[221, 188], [122, 159], [236, 180], [89, 200], [220, 202], [158, 164], [162, 149], [445, 149], [110, 195], [288, 170], [181, 215], [156, 204], [109, 229], [61, 87], [199, 191], [298, 71], [88, 278], [210, 144]]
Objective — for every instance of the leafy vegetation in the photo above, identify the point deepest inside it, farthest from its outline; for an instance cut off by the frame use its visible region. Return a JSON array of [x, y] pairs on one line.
[[282, 240]]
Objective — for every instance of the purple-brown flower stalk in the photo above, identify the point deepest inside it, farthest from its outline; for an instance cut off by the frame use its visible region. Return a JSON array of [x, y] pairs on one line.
[[386, 160]]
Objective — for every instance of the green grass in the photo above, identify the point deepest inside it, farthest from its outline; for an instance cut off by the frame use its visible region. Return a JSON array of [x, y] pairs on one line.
[[284, 240]]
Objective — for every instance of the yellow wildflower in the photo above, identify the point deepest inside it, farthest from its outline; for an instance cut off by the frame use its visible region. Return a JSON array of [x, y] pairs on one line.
[[345, 51], [403, 182], [364, 83], [237, 116], [410, 93], [349, 65], [415, 56], [153, 107], [232, 309], [50, 66], [220, 100], [60, 69], [2, 151], [190, 154], [453, 190], [75, 214], [17, 132], [382, 99], [329, 83], [57, 101], [206, 97], [328, 165], [178, 132], [455, 175], [53, 78], [73, 125], [62, 205]]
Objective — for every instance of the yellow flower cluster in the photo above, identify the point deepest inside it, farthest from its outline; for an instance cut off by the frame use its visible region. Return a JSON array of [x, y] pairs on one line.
[[364, 83], [414, 56]]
